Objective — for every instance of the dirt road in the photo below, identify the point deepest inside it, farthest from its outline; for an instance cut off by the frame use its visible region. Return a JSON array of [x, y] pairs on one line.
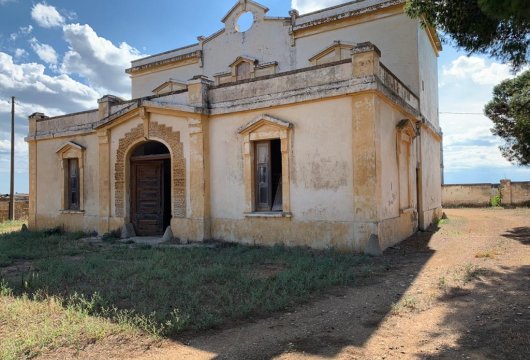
[[461, 292]]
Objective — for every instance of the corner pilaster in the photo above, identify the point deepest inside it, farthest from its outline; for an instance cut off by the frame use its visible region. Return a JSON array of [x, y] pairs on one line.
[[32, 152], [198, 87], [104, 181], [199, 177]]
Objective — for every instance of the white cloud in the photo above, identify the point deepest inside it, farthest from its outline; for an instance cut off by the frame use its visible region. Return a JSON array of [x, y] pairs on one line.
[[98, 59], [470, 150], [19, 53], [46, 15], [305, 6], [44, 51], [22, 31], [29, 83], [477, 70], [26, 29], [21, 153]]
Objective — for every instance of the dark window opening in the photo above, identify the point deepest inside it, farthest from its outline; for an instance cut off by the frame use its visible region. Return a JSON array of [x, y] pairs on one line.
[[268, 175], [73, 184]]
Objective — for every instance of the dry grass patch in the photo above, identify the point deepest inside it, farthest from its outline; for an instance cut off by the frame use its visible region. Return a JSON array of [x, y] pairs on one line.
[[11, 226], [84, 291], [30, 326]]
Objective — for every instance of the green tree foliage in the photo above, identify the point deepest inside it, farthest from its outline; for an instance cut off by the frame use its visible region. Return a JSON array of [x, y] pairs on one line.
[[510, 112], [498, 28]]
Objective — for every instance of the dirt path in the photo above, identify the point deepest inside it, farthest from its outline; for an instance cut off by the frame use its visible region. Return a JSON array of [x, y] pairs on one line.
[[462, 292]]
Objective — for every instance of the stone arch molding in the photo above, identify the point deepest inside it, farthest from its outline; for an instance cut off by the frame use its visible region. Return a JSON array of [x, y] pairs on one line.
[[178, 165]]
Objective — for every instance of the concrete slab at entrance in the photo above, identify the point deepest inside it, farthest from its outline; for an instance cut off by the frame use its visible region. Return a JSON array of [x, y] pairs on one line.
[[160, 242]]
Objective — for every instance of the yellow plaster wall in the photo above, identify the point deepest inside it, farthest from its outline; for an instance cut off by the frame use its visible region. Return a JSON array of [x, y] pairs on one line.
[[144, 84], [428, 77], [398, 51], [48, 192], [431, 178], [321, 180], [390, 182], [468, 195]]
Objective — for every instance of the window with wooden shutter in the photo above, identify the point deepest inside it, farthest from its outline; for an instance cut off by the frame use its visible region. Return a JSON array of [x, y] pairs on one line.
[[73, 184], [243, 71], [268, 175], [263, 176]]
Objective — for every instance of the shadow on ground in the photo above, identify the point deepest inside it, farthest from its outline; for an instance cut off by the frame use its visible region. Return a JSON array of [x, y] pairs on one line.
[[521, 234], [348, 317], [494, 323]]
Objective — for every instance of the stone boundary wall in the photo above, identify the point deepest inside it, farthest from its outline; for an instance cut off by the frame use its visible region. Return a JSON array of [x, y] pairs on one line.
[[21, 207], [480, 195]]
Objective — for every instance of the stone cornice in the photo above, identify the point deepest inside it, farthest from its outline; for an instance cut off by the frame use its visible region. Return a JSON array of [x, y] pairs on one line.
[[170, 62], [300, 24]]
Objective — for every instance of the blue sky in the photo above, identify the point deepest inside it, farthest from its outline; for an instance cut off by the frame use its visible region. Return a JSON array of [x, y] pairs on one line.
[[61, 56]]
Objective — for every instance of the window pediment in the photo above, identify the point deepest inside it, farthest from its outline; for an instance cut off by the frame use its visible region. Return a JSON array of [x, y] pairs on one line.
[[70, 149], [169, 86], [264, 123], [243, 58], [336, 52], [406, 126]]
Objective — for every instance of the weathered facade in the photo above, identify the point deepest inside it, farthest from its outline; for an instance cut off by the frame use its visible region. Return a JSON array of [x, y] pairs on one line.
[[317, 130]]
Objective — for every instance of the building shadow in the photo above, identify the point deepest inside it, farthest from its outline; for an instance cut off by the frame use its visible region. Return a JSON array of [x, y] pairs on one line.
[[325, 327], [492, 318], [521, 234]]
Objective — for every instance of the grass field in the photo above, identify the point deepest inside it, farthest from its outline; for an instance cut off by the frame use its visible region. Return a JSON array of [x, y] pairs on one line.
[[10, 226], [60, 290]]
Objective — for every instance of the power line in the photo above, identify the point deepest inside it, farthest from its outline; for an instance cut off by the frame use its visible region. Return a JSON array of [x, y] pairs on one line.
[[460, 113]]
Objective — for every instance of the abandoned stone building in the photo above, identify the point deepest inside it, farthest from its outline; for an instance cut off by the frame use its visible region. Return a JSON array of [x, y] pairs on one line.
[[316, 129]]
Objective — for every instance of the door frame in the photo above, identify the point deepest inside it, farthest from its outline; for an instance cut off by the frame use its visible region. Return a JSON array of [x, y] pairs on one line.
[[151, 160]]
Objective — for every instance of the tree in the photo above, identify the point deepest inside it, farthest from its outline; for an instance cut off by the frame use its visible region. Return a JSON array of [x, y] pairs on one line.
[[498, 28], [510, 112]]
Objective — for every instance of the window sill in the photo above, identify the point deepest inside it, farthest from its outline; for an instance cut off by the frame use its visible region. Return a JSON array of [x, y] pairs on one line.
[[269, 214], [78, 212]]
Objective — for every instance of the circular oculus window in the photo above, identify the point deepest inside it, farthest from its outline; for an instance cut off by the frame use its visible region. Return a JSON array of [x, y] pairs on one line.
[[244, 22]]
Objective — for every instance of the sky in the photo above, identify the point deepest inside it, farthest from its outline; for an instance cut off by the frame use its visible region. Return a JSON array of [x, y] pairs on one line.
[[60, 56]]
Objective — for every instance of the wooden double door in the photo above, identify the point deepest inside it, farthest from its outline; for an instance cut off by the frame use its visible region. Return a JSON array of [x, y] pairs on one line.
[[147, 197]]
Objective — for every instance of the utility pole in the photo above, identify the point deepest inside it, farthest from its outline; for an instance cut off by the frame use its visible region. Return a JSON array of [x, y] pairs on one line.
[[12, 174]]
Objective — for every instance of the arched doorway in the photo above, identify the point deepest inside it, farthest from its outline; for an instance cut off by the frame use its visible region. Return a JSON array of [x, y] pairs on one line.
[[150, 188]]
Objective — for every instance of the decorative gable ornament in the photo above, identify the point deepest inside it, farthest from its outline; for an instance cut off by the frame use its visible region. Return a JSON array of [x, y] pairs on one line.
[[243, 6]]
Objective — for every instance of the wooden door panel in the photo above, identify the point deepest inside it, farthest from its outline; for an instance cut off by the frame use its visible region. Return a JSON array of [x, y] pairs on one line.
[[263, 183], [147, 197]]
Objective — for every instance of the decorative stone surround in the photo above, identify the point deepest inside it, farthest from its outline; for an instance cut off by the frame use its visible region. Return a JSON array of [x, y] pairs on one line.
[[178, 165], [265, 127]]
